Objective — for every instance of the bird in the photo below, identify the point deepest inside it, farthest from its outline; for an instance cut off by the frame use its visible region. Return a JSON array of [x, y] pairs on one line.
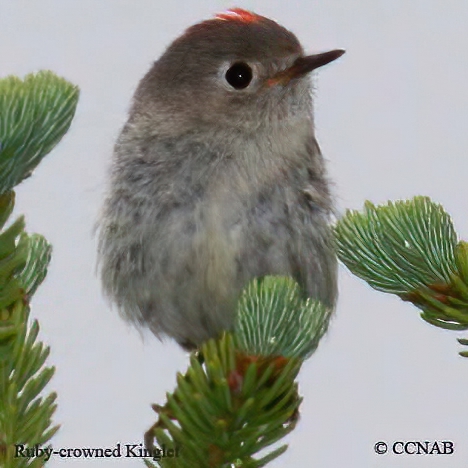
[[216, 179]]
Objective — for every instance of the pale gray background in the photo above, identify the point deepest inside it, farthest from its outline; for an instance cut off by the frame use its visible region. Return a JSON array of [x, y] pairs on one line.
[[392, 119]]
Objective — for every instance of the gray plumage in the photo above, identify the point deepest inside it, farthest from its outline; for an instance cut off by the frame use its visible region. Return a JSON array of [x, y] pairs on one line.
[[211, 186]]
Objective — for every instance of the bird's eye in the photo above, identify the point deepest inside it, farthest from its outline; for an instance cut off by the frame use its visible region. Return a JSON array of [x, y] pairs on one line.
[[239, 75]]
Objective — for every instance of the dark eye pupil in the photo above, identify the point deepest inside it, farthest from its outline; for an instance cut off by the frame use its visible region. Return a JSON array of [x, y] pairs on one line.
[[239, 75]]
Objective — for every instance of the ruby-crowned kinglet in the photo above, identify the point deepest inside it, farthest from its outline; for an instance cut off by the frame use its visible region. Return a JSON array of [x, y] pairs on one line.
[[217, 178]]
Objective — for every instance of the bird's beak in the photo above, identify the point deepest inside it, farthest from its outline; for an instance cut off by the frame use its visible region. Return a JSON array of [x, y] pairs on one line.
[[304, 65]]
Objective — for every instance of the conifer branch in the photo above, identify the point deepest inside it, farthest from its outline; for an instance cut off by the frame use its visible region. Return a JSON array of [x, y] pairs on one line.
[[35, 113], [239, 393], [410, 248]]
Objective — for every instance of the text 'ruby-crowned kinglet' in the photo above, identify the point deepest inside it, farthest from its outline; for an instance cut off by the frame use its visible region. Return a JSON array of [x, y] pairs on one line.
[[217, 178]]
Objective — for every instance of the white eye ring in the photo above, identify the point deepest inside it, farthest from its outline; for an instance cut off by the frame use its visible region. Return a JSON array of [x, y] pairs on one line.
[[239, 76]]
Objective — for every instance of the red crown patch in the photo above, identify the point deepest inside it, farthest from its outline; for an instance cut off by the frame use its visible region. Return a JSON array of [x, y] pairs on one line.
[[238, 14]]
